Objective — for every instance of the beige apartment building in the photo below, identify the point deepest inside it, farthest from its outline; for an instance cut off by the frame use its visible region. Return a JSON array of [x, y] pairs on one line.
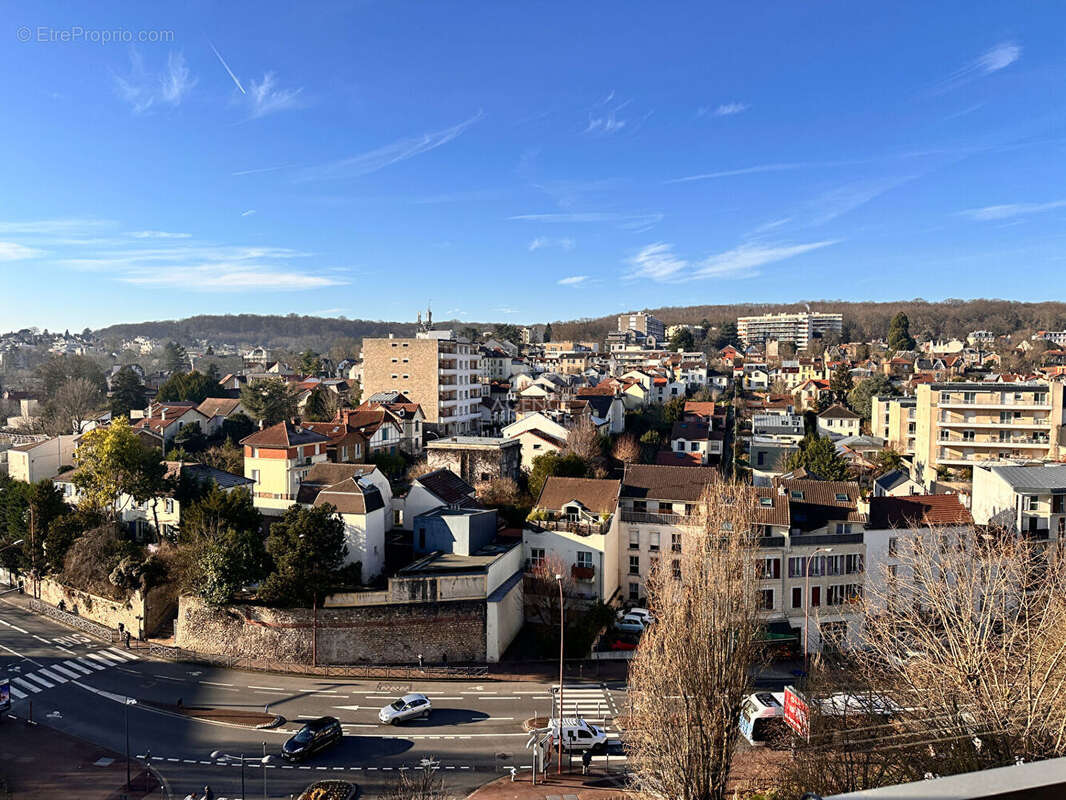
[[894, 419], [965, 424], [440, 374]]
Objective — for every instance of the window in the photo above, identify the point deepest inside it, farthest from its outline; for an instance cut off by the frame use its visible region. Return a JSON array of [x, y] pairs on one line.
[[797, 597], [584, 559], [766, 599], [536, 554], [816, 596], [675, 541], [853, 563], [841, 498], [640, 506], [893, 546], [634, 540], [255, 475], [634, 591], [634, 565], [676, 565], [795, 567], [1062, 527], [680, 446], [768, 567], [168, 505], [653, 544], [796, 494], [759, 459]]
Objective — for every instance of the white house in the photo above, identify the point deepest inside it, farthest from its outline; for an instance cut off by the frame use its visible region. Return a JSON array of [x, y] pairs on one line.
[[837, 421], [362, 503], [1025, 499], [39, 460]]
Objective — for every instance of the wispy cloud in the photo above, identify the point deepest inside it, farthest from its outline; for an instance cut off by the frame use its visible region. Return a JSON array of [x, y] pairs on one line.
[[730, 109], [506, 310], [266, 97], [1010, 210], [834, 203], [389, 154], [159, 235], [225, 66], [658, 262], [573, 280], [992, 60], [227, 277], [629, 222], [248, 213], [755, 169], [12, 251], [565, 243], [143, 89], [55, 227], [258, 170], [604, 117]]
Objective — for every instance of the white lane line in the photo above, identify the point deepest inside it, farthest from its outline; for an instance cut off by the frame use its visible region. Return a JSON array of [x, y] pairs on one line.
[[270, 693], [69, 673], [52, 676], [111, 657], [123, 654], [212, 683], [26, 685], [19, 694], [269, 688], [168, 678], [38, 679], [87, 663], [101, 662], [42, 639], [497, 698], [65, 650]]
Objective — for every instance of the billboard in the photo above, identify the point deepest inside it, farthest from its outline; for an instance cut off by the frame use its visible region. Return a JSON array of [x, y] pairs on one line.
[[797, 713]]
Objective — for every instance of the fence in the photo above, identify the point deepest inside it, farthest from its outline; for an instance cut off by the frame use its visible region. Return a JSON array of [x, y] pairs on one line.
[[74, 621]]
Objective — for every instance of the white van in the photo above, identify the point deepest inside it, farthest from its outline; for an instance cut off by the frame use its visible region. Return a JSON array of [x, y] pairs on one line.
[[761, 716], [579, 735]]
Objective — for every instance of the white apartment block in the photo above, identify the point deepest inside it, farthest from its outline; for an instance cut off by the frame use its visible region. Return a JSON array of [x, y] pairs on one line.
[[796, 328]]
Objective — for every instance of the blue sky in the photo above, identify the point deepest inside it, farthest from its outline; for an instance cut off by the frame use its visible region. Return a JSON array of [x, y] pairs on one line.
[[524, 161]]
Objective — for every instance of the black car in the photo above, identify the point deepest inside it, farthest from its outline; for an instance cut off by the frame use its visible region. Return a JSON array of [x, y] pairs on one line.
[[316, 735]]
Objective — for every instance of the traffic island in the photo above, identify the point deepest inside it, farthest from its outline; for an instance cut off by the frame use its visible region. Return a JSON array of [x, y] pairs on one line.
[[230, 716], [583, 787]]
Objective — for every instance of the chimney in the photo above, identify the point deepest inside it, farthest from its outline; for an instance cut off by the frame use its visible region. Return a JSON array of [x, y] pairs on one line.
[[164, 414]]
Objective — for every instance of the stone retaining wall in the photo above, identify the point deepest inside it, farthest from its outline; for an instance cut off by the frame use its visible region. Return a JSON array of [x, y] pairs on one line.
[[378, 634], [131, 613]]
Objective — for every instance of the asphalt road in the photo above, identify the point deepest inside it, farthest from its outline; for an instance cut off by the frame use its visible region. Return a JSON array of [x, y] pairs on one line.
[[76, 684]]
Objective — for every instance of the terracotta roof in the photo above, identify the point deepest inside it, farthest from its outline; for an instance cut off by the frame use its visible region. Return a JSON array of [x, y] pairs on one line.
[[351, 497], [690, 429], [837, 411], [670, 458], [821, 493], [917, 511], [772, 508], [448, 486], [218, 406], [284, 434], [702, 409], [600, 496], [685, 484]]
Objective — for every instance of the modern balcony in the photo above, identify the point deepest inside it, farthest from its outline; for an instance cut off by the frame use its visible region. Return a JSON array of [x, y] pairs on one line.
[[580, 527], [956, 442], [582, 573], [995, 405], [645, 518]]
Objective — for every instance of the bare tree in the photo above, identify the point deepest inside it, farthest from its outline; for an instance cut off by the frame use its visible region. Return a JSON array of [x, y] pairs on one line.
[[692, 669], [74, 403], [423, 784], [626, 448], [583, 440], [964, 643]]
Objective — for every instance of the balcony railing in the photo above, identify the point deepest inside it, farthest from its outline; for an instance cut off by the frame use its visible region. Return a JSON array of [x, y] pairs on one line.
[[580, 527], [681, 520], [580, 573], [802, 539]]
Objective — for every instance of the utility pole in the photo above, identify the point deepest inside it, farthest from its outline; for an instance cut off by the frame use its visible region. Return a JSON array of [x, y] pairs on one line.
[[559, 580]]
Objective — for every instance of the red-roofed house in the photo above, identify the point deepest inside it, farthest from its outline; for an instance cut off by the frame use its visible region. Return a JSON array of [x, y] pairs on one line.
[[277, 459]]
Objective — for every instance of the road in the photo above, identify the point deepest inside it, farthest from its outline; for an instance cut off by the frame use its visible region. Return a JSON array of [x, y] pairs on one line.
[[74, 683]]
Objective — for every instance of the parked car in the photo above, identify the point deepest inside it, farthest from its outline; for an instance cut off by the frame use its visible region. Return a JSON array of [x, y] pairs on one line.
[[631, 624], [579, 735], [313, 737], [410, 706], [641, 613], [623, 644]]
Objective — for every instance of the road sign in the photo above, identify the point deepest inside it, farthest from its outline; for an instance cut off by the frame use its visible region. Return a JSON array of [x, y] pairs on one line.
[[797, 713]]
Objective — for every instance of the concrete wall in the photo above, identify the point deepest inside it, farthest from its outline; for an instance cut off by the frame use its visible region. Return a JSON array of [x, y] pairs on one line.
[[378, 634], [462, 533], [365, 536], [504, 615]]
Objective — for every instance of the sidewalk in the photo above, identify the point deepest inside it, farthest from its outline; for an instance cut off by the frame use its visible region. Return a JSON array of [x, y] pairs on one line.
[[558, 787], [39, 763]]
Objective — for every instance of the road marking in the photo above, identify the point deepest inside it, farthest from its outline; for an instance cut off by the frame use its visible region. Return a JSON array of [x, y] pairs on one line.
[[19, 694], [270, 693], [188, 761], [42, 639], [168, 677], [111, 658], [26, 685], [79, 667], [40, 680], [52, 676], [102, 662], [88, 663], [212, 683], [65, 650], [497, 698], [123, 654], [268, 688], [16, 627], [357, 725], [69, 673]]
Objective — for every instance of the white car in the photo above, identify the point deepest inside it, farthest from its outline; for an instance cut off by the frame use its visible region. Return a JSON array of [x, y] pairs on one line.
[[410, 706], [631, 623], [643, 613]]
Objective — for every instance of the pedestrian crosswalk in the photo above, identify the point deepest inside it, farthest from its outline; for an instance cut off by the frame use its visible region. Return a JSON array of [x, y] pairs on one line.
[[41, 679], [589, 701]]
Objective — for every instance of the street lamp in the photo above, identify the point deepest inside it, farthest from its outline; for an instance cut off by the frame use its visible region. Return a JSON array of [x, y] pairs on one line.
[[127, 702], [559, 580], [218, 755], [807, 604]]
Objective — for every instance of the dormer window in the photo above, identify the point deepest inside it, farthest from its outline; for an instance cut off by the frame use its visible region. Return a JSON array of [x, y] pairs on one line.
[[796, 494], [841, 498]]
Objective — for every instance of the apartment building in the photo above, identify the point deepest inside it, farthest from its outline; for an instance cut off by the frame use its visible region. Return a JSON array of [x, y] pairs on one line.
[[965, 424], [1026, 499], [799, 328], [437, 372], [894, 419], [644, 322], [277, 459], [36, 461]]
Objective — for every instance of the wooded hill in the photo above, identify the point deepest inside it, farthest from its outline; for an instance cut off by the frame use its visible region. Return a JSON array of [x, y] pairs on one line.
[[862, 321]]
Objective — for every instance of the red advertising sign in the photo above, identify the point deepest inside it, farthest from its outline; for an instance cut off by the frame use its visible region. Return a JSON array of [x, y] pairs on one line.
[[797, 713]]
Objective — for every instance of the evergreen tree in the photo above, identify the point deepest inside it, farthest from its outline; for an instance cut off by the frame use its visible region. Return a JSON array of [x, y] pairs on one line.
[[193, 386], [899, 333], [127, 393], [269, 401], [175, 359], [727, 335], [819, 455], [548, 332], [308, 547], [840, 382], [683, 340]]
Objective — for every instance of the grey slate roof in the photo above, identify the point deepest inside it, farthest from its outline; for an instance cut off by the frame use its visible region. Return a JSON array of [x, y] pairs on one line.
[[1047, 478], [890, 480]]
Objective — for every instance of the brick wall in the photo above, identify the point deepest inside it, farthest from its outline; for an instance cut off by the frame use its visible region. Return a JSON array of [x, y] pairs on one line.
[[378, 634]]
